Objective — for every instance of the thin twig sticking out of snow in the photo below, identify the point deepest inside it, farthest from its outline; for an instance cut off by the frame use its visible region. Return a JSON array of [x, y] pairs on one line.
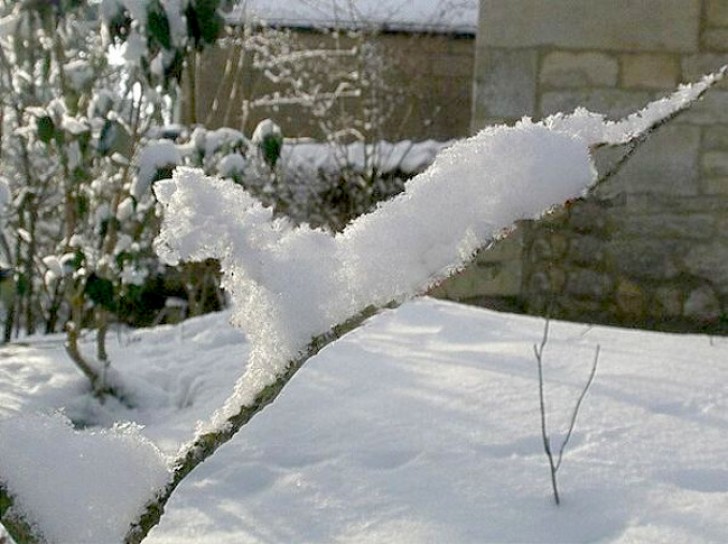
[[554, 466]]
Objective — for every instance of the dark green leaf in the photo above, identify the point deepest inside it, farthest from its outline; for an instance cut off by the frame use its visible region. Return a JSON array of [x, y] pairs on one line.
[[175, 68], [100, 291], [46, 129], [271, 147], [114, 138], [158, 25], [204, 23]]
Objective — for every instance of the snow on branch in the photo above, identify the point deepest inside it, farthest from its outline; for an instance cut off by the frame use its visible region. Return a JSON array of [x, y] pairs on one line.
[[297, 289], [290, 284]]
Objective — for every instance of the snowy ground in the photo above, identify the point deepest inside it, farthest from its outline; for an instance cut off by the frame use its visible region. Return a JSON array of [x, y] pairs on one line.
[[423, 426]]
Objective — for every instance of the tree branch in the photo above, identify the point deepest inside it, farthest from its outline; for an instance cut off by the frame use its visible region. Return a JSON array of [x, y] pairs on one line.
[[634, 143], [554, 466], [205, 445], [17, 527]]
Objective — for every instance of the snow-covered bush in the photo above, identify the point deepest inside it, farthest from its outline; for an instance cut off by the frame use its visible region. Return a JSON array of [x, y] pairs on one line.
[[78, 150]]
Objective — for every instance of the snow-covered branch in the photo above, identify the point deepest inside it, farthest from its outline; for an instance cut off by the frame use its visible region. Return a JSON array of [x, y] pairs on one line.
[[294, 288]]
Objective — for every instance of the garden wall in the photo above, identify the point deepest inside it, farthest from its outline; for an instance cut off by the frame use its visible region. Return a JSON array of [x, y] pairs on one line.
[[429, 74], [651, 248]]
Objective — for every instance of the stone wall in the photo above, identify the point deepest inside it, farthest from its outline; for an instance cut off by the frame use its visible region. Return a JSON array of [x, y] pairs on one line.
[[651, 247]]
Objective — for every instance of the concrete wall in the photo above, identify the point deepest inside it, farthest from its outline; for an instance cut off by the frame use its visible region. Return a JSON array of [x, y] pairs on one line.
[[430, 76], [651, 248]]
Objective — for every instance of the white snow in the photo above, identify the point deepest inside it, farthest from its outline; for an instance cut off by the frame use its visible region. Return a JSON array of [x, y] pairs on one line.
[[153, 156], [78, 486], [420, 427], [231, 165], [385, 157], [265, 129], [426, 15], [595, 129]]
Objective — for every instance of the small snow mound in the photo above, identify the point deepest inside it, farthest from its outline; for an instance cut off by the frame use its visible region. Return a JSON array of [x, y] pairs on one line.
[[79, 486]]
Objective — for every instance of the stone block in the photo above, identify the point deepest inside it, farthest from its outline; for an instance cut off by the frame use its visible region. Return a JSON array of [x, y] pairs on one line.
[[650, 71], [668, 302], [460, 45], [711, 110], [721, 226], [715, 138], [586, 250], [715, 186], [614, 103], [659, 202], [708, 261], [630, 300], [645, 258], [585, 310], [566, 69], [494, 279], [505, 85], [547, 281], [702, 304], [586, 283], [668, 226], [497, 279], [618, 25], [453, 66], [715, 163], [548, 246], [715, 39], [717, 12], [588, 216], [457, 287], [559, 244], [668, 163], [694, 67]]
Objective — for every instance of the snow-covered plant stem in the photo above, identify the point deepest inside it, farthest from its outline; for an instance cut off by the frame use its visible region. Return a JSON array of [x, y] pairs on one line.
[[358, 268], [13, 522], [206, 445], [555, 464]]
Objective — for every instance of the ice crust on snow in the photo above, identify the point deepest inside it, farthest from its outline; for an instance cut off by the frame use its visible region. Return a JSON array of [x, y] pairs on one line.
[[291, 284], [78, 486]]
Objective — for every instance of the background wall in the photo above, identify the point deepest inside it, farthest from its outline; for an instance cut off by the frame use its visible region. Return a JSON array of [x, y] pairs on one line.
[[429, 78], [651, 248]]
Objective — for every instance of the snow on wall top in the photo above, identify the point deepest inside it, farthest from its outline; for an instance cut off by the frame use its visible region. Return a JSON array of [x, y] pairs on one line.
[[447, 16]]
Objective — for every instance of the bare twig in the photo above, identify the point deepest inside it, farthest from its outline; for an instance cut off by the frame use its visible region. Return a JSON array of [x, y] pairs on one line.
[[554, 466], [577, 407]]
